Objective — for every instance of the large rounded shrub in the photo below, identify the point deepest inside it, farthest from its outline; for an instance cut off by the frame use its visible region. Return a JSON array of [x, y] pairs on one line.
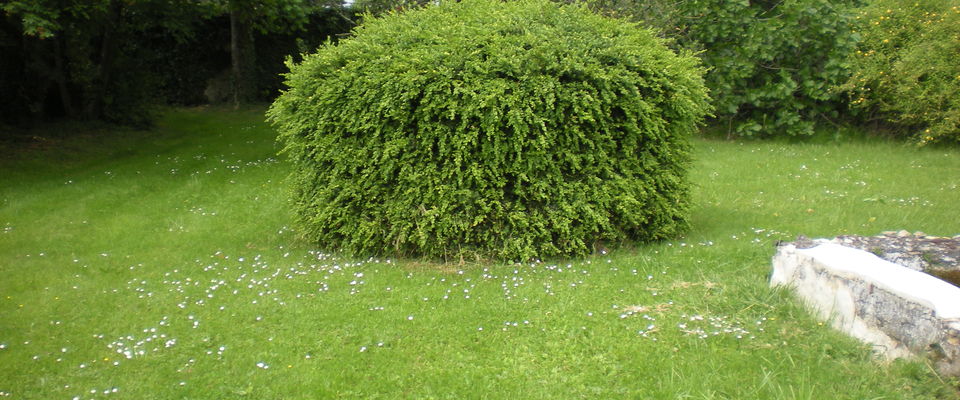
[[497, 129]]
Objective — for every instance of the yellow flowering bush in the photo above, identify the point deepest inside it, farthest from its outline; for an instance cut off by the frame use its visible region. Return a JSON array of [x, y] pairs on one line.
[[906, 69]]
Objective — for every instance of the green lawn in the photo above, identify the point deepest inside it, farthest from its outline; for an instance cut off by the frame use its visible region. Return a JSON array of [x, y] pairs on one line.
[[163, 264]]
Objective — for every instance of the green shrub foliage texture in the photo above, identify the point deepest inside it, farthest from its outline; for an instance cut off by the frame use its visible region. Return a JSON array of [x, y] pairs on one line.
[[907, 67], [772, 63], [488, 129]]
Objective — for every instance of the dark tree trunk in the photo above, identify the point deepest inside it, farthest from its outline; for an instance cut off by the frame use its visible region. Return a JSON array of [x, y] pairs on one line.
[[95, 102], [36, 79], [242, 56], [234, 54], [60, 76]]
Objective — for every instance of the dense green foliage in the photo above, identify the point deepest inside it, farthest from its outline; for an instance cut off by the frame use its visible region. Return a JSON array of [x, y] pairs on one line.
[[907, 67], [772, 64], [483, 128]]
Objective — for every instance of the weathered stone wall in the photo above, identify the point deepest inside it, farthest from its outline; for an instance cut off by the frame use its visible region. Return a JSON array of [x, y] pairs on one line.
[[902, 312]]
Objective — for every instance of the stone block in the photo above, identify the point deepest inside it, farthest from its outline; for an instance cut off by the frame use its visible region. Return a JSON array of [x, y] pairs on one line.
[[901, 312]]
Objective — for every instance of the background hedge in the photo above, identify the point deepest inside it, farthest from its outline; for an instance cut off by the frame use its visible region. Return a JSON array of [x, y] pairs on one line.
[[773, 64]]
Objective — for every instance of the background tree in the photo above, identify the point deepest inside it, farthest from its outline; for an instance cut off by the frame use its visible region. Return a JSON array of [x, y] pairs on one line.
[[81, 58], [773, 64], [263, 16], [112, 59]]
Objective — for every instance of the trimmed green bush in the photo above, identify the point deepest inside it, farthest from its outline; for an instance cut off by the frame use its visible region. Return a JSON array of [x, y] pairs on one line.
[[907, 67], [483, 128]]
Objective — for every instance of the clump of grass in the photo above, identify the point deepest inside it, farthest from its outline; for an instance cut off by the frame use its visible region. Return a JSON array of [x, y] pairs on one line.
[[166, 268]]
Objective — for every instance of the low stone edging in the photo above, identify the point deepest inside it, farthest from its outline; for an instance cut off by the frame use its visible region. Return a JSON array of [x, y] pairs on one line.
[[902, 312]]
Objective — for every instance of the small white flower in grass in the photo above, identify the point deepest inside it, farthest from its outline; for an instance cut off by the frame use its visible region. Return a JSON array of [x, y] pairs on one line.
[[262, 365], [409, 318], [363, 349]]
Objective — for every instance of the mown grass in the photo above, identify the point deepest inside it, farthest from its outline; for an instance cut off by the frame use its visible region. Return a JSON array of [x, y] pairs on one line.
[[162, 264]]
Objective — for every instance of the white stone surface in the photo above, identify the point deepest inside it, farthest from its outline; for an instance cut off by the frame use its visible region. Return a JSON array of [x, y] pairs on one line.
[[902, 312], [941, 296]]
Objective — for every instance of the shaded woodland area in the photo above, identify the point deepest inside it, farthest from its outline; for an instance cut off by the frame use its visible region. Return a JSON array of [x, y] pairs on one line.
[[111, 60]]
